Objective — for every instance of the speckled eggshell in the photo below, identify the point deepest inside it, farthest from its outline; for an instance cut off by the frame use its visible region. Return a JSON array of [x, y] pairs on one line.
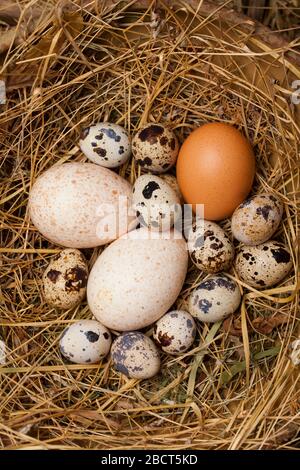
[[85, 342], [210, 247], [105, 144], [263, 265], [65, 279], [155, 147], [257, 219], [155, 202], [135, 280], [3, 353], [135, 355], [214, 299], [76, 205], [172, 181], [175, 332]]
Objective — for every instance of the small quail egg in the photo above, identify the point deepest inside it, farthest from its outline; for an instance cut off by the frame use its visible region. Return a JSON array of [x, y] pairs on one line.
[[175, 332], [263, 265], [135, 355], [2, 353], [209, 247], [214, 299], [257, 219], [85, 342], [65, 279], [155, 202], [155, 147], [105, 144], [172, 181]]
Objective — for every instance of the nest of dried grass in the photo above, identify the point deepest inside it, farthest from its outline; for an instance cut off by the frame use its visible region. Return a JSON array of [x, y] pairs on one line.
[[131, 62]]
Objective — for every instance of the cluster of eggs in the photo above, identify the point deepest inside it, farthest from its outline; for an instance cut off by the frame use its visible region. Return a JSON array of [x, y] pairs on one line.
[[136, 280]]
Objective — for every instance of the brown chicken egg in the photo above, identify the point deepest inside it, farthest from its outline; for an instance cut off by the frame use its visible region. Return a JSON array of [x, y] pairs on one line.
[[216, 168]]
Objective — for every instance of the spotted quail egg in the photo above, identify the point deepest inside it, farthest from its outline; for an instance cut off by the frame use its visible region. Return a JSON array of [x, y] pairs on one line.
[[214, 298], [135, 355], [175, 332], [2, 353], [105, 144], [172, 181], [155, 202], [209, 247], [85, 342], [65, 279], [257, 219], [263, 265], [155, 148]]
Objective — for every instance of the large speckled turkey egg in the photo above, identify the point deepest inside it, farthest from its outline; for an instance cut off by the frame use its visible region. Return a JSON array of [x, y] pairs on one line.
[[136, 279], [263, 265], [85, 342], [209, 247], [77, 205], [175, 332], [105, 144], [155, 148], [135, 355], [65, 279], [215, 168], [257, 219], [156, 203], [214, 298]]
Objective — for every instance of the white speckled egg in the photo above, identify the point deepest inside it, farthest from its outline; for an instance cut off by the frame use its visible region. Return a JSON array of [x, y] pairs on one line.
[[263, 265], [77, 205], [65, 279], [85, 342], [172, 181], [105, 144], [210, 247], [136, 279], [175, 332], [214, 298], [155, 202], [257, 219], [135, 355], [2, 352], [155, 147]]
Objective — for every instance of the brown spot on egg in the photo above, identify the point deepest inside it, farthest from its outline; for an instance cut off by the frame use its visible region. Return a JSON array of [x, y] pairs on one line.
[[281, 255], [217, 246], [100, 151], [164, 339], [264, 211], [76, 279], [163, 140], [172, 144], [144, 161], [149, 189], [151, 133], [53, 275]]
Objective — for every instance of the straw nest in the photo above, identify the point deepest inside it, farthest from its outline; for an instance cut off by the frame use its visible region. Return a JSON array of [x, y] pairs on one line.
[[67, 64]]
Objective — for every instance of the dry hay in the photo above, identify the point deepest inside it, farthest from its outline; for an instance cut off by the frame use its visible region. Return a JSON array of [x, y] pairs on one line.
[[237, 389]]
